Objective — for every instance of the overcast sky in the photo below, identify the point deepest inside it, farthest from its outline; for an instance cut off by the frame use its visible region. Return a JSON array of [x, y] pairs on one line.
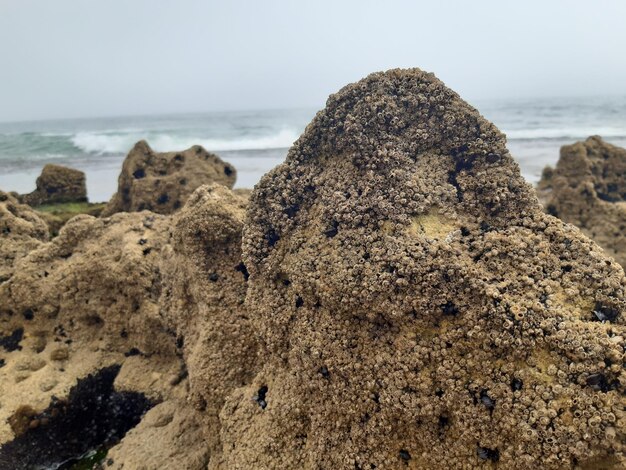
[[83, 58]]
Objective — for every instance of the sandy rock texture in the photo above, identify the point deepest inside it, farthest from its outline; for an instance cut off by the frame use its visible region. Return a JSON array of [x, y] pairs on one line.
[[415, 306], [162, 182], [588, 189], [58, 184], [21, 230], [204, 290], [84, 301]]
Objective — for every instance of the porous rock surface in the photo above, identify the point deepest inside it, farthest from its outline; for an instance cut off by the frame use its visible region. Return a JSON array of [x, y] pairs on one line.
[[21, 230], [588, 189], [84, 301], [58, 184], [202, 301], [162, 182], [414, 305]]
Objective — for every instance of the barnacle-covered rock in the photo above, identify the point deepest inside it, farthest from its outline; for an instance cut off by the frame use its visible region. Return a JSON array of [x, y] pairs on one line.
[[588, 189], [21, 230], [416, 307], [202, 301], [162, 182]]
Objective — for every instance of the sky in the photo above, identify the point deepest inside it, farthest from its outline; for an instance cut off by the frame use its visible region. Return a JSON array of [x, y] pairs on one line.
[[89, 58]]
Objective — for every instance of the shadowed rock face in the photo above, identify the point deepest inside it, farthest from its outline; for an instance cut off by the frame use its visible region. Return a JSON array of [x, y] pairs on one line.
[[588, 189], [162, 182], [204, 290], [415, 306], [58, 184]]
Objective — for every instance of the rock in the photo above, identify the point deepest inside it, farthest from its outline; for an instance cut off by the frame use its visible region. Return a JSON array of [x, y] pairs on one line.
[[415, 306], [162, 182], [21, 230], [58, 184], [85, 300], [202, 302], [169, 436], [588, 189]]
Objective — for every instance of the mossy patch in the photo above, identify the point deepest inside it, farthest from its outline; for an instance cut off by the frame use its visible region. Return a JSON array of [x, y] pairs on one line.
[[57, 215]]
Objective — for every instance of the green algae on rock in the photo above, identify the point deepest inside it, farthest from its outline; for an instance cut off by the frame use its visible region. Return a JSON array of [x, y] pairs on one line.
[[415, 306]]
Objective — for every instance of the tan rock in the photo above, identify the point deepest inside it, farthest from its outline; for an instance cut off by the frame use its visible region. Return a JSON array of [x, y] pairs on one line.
[[415, 306], [58, 184], [205, 288], [21, 230], [588, 189], [162, 182]]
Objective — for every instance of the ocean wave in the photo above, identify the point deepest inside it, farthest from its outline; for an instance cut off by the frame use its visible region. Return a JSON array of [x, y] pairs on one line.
[[103, 143], [565, 133]]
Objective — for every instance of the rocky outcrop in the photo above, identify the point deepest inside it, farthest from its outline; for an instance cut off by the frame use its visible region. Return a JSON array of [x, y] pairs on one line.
[[21, 230], [415, 306], [58, 184], [588, 189], [162, 182], [84, 302], [202, 301]]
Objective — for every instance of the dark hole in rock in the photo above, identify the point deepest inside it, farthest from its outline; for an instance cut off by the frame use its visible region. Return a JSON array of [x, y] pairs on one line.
[[272, 237], [2, 362], [52, 190], [292, 210], [260, 397], [449, 309], [124, 334], [485, 227], [177, 205], [485, 453], [604, 313], [299, 302], [551, 209], [163, 198], [404, 455], [566, 268], [332, 230], [94, 416], [324, 371], [139, 173], [439, 393], [598, 383], [444, 421], [146, 251], [243, 270], [179, 158], [493, 158], [465, 231], [182, 181], [12, 342], [6, 230], [228, 171], [516, 384], [486, 400], [180, 342], [132, 352], [213, 277], [143, 241], [28, 314]]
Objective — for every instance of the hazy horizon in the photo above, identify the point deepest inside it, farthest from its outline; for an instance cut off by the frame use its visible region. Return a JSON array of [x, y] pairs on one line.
[[73, 59]]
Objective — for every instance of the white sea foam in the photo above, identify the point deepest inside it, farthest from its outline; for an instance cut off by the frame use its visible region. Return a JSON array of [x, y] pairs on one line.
[[103, 143]]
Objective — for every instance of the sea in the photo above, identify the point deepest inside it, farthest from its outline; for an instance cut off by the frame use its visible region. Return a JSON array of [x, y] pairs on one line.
[[256, 141]]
